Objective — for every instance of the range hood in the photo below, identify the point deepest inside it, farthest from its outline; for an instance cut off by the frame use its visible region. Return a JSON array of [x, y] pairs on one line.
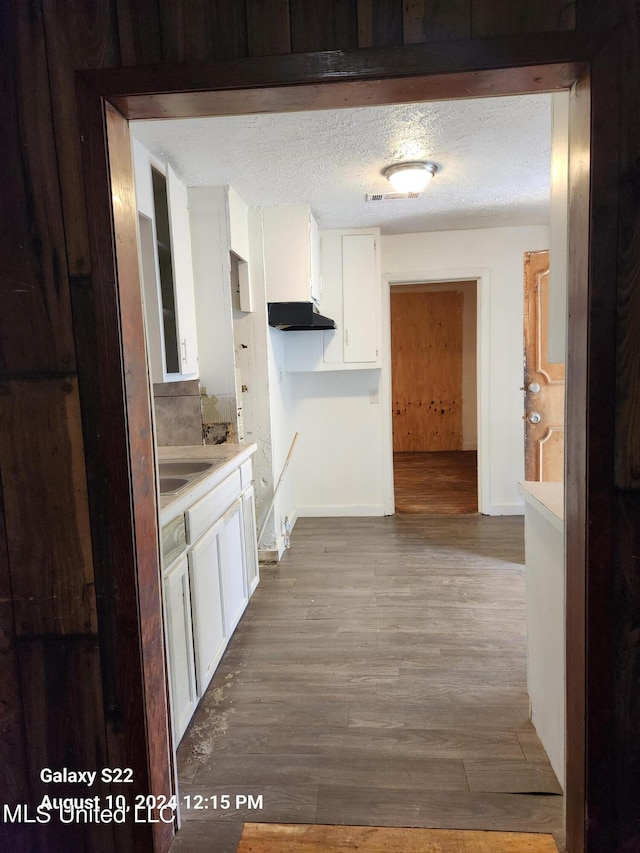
[[297, 317]]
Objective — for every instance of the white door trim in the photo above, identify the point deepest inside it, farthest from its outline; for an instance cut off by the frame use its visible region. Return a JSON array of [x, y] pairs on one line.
[[437, 276]]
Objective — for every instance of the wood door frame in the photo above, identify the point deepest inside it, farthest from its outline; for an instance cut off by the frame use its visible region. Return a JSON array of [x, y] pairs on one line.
[[114, 382], [482, 277]]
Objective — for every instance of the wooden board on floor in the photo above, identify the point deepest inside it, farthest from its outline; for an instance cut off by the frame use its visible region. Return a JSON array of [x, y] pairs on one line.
[[305, 838]]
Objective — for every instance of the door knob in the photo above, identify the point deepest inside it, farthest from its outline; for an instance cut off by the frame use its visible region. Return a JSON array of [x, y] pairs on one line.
[[535, 417]]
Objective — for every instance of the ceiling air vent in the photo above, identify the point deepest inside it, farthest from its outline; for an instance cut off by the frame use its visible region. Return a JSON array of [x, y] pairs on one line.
[[390, 196]]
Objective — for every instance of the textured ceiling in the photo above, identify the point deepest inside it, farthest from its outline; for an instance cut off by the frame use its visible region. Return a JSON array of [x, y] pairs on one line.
[[494, 156]]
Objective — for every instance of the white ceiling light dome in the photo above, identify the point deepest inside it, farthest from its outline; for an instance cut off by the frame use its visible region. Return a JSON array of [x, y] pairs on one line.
[[411, 177]]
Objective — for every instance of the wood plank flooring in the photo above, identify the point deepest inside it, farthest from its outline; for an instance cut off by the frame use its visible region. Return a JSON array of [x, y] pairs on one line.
[[443, 483], [378, 678], [302, 838]]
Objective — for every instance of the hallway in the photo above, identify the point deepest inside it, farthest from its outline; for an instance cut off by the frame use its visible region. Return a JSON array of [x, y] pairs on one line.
[[378, 677], [443, 482]]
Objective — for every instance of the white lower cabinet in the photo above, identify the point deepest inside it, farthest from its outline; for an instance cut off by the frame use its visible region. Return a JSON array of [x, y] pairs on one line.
[[209, 635], [233, 567], [207, 587], [250, 539], [179, 631]]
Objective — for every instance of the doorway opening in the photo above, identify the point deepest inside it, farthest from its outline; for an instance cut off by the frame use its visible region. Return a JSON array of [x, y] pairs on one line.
[[130, 371], [434, 397], [203, 738]]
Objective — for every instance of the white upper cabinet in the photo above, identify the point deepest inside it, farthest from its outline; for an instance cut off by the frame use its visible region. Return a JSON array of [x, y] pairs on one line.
[[178, 206], [291, 254], [167, 272], [351, 295], [360, 296]]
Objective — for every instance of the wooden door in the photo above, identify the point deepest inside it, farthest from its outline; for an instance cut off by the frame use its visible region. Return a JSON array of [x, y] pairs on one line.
[[543, 380], [426, 370]]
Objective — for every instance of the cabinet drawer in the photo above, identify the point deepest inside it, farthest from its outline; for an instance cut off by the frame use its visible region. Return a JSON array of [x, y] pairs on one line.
[[209, 508], [174, 540], [246, 474]]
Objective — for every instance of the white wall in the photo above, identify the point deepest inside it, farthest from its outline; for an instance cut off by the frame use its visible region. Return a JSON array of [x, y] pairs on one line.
[[283, 429], [496, 254], [342, 462], [339, 457]]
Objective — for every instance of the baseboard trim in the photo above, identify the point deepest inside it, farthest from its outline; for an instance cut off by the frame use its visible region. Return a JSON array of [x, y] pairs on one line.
[[338, 511], [506, 509]]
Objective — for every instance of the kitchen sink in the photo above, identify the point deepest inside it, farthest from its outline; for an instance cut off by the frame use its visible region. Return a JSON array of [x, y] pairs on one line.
[[185, 468], [172, 485], [176, 475]]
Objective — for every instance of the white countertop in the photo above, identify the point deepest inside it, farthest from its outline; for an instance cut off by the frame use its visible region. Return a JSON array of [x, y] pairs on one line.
[[232, 454], [547, 499]]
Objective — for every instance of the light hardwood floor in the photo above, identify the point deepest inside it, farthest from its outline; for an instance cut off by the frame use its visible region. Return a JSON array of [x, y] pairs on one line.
[[441, 483], [302, 838], [378, 677]]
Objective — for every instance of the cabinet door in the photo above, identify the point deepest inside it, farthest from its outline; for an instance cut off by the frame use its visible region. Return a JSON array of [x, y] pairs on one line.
[[182, 274], [314, 258], [360, 293], [233, 567], [287, 253], [250, 539], [179, 640], [209, 633]]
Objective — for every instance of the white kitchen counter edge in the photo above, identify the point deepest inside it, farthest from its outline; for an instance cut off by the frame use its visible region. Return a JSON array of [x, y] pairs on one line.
[[234, 454], [547, 499]]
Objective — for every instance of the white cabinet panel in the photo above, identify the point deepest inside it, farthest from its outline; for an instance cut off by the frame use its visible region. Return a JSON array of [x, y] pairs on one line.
[[209, 508], [250, 540], [167, 270], [179, 637], [233, 571], [314, 259], [207, 589], [205, 560], [351, 295], [290, 263], [359, 297], [182, 273]]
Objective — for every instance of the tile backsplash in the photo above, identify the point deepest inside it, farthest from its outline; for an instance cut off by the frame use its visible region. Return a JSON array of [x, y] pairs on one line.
[[178, 413]]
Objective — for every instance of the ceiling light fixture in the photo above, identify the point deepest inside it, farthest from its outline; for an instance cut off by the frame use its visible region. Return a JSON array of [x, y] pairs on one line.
[[410, 177]]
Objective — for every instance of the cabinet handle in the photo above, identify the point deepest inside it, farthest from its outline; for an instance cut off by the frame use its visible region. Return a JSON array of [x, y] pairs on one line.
[[184, 350], [346, 337]]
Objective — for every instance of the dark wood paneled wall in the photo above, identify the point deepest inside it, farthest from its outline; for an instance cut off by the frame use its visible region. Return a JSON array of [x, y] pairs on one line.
[[57, 679]]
